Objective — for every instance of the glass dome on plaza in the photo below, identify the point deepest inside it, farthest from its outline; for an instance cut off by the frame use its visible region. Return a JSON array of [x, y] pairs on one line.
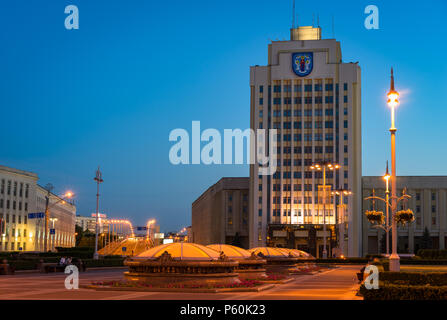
[[269, 252], [230, 251], [296, 253], [181, 251]]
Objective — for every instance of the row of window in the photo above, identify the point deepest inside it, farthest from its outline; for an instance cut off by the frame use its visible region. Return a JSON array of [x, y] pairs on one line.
[[433, 196], [298, 137], [13, 218], [307, 87], [7, 205], [244, 197], [307, 125], [12, 246], [307, 100], [5, 231], [21, 188], [298, 112]]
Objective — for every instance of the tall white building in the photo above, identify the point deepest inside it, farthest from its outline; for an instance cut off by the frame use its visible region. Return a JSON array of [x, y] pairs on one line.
[[20, 195], [313, 99]]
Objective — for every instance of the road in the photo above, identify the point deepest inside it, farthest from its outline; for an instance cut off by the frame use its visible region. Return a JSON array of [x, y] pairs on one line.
[[334, 284]]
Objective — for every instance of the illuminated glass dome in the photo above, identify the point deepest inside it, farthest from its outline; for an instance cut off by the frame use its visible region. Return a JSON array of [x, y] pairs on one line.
[[296, 253], [181, 251], [230, 251], [270, 252]]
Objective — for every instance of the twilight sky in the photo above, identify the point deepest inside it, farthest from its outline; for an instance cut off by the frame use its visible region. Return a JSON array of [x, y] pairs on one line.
[[110, 93]]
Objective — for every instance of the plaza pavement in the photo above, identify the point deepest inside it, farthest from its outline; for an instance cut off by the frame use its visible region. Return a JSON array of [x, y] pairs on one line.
[[333, 284]]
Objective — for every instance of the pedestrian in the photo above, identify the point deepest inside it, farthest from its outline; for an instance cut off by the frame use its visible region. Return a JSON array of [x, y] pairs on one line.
[[62, 261]]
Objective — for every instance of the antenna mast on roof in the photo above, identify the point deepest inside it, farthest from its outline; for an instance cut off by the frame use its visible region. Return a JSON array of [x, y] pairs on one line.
[[318, 20], [333, 27], [293, 15]]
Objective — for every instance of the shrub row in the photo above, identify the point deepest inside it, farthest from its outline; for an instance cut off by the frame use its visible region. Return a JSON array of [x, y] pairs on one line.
[[415, 278], [31, 264], [75, 249], [388, 291], [423, 262], [432, 254], [90, 263], [338, 260]]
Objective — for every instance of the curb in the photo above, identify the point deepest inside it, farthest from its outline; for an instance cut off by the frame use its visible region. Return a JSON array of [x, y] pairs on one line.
[[88, 269], [180, 290]]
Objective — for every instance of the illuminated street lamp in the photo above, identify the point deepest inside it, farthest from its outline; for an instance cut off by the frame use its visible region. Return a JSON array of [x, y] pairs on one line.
[[393, 102], [321, 166], [148, 228], [342, 193]]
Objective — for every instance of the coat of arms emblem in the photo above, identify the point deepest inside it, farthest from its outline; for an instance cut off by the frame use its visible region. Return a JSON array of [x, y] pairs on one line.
[[302, 63]]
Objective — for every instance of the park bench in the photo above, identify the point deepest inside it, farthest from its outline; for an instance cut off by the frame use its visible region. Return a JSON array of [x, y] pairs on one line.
[[51, 267], [5, 268], [55, 267]]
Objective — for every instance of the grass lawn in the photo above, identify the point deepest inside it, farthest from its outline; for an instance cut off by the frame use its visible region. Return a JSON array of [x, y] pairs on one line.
[[423, 268]]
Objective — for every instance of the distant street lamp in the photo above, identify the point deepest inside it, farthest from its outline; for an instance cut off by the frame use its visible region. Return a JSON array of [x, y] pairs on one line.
[[321, 166], [341, 193], [98, 179]]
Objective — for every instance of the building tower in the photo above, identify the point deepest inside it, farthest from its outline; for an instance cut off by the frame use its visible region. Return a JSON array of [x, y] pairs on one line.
[[313, 100]]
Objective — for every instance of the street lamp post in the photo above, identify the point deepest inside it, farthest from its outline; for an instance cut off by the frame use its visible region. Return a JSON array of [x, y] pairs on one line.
[[53, 220], [98, 179], [322, 167], [48, 187], [341, 193], [387, 209], [393, 102]]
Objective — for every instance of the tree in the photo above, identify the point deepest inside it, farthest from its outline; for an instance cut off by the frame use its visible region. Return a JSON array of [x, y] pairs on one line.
[[79, 233], [426, 242], [236, 241]]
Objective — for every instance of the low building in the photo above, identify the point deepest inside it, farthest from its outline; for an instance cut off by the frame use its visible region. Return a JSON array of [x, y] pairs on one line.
[[429, 204], [21, 202], [220, 215], [89, 223]]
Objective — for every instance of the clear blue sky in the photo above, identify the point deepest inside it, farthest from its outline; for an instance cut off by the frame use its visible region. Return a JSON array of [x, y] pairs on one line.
[[110, 92]]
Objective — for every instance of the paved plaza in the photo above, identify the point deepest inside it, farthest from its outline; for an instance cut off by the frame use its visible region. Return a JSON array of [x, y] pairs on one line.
[[333, 284]]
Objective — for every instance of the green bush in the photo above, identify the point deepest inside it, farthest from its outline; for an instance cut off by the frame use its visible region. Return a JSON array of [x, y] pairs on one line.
[[415, 278], [338, 260], [423, 262], [75, 249], [432, 254], [90, 263], [23, 264], [388, 291]]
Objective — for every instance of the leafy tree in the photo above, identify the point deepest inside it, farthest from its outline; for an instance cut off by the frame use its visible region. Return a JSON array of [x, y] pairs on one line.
[[426, 242], [236, 241]]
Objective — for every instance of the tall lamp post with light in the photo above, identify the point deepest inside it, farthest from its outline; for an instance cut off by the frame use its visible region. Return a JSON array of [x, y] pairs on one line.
[[98, 179], [393, 102], [321, 166]]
